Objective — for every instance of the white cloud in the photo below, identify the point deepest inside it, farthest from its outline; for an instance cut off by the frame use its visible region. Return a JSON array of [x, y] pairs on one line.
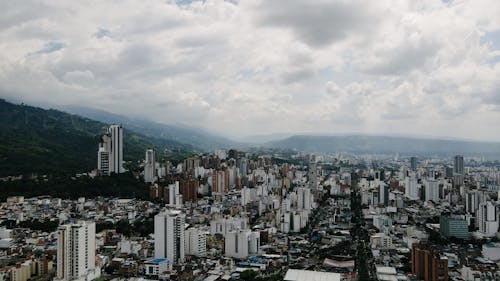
[[254, 67]]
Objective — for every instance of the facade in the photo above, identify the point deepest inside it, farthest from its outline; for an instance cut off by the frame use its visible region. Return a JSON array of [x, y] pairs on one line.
[[240, 244], [487, 219], [453, 226], [313, 173], [110, 152], [428, 264], [150, 166], [195, 242], [76, 252], [169, 235]]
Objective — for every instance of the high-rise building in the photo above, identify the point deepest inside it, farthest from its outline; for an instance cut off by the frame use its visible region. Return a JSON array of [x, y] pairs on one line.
[[313, 173], [487, 219], [110, 152], [458, 165], [169, 235], [413, 163], [242, 243], [150, 166], [458, 170], [428, 264], [189, 189], [195, 242], [76, 252], [431, 190]]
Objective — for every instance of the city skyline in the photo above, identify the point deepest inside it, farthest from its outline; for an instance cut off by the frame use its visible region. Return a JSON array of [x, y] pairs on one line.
[[426, 68]]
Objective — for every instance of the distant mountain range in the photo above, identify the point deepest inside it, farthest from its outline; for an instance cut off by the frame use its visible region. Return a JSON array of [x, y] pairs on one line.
[[388, 145], [196, 137], [51, 141]]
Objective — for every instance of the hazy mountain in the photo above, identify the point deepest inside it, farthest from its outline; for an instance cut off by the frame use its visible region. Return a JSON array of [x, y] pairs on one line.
[[33, 139], [388, 145], [196, 137]]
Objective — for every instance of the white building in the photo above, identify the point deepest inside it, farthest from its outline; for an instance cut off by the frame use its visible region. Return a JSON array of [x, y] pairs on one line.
[[169, 235], [195, 242], [150, 166], [240, 244], [487, 219], [431, 190], [76, 252], [224, 225], [110, 152]]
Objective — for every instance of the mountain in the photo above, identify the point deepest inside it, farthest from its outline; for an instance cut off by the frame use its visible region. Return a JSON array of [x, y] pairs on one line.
[[388, 145], [194, 136], [51, 141]]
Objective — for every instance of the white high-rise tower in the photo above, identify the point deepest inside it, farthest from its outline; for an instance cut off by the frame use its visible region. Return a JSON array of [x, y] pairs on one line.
[[169, 235], [110, 153], [150, 166], [76, 252]]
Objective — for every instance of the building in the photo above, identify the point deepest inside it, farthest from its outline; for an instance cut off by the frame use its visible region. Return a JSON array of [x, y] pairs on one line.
[[169, 235], [453, 226], [150, 166], [458, 170], [431, 190], [413, 163], [487, 219], [189, 189], [157, 266], [300, 275], [110, 152], [240, 244], [195, 242], [312, 173], [428, 264], [76, 252]]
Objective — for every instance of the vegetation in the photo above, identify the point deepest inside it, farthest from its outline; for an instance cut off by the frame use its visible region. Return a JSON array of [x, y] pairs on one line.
[[63, 186], [35, 140]]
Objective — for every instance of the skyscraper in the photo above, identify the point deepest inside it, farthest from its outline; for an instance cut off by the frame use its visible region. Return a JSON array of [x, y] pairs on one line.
[[150, 166], [169, 235], [458, 170], [110, 152], [458, 165], [487, 219], [413, 163], [76, 252], [312, 175]]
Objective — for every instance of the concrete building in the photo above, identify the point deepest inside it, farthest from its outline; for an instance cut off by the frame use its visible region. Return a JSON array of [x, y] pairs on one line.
[[169, 235], [428, 264], [240, 244], [195, 242], [487, 219], [110, 152], [76, 252], [150, 166], [453, 226]]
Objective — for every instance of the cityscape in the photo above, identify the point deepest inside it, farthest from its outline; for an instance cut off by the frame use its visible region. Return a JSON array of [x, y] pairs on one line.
[[221, 140]]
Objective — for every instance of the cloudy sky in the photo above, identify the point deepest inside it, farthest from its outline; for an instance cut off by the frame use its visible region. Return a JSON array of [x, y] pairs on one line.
[[256, 67]]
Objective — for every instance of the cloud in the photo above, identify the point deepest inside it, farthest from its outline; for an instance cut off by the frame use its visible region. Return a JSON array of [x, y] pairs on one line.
[[254, 67]]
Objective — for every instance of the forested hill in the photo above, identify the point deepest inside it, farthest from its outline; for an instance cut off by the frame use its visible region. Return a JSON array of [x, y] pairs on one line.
[[36, 140]]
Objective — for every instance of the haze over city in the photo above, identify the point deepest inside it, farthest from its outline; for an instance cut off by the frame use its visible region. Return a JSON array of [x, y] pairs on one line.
[[243, 68]]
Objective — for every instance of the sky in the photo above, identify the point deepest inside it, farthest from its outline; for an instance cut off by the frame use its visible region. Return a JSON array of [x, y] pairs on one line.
[[429, 68]]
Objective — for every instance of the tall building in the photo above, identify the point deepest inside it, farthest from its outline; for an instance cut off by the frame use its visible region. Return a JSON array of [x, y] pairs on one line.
[[189, 189], [428, 264], [458, 170], [487, 219], [150, 166], [240, 244], [76, 252], [413, 163], [458, 165], [195, 242], [169, 235], [312, 173], [110, 152], [431, 190]]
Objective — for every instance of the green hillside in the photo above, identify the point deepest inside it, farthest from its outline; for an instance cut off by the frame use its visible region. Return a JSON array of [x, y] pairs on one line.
[[35, 140]]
